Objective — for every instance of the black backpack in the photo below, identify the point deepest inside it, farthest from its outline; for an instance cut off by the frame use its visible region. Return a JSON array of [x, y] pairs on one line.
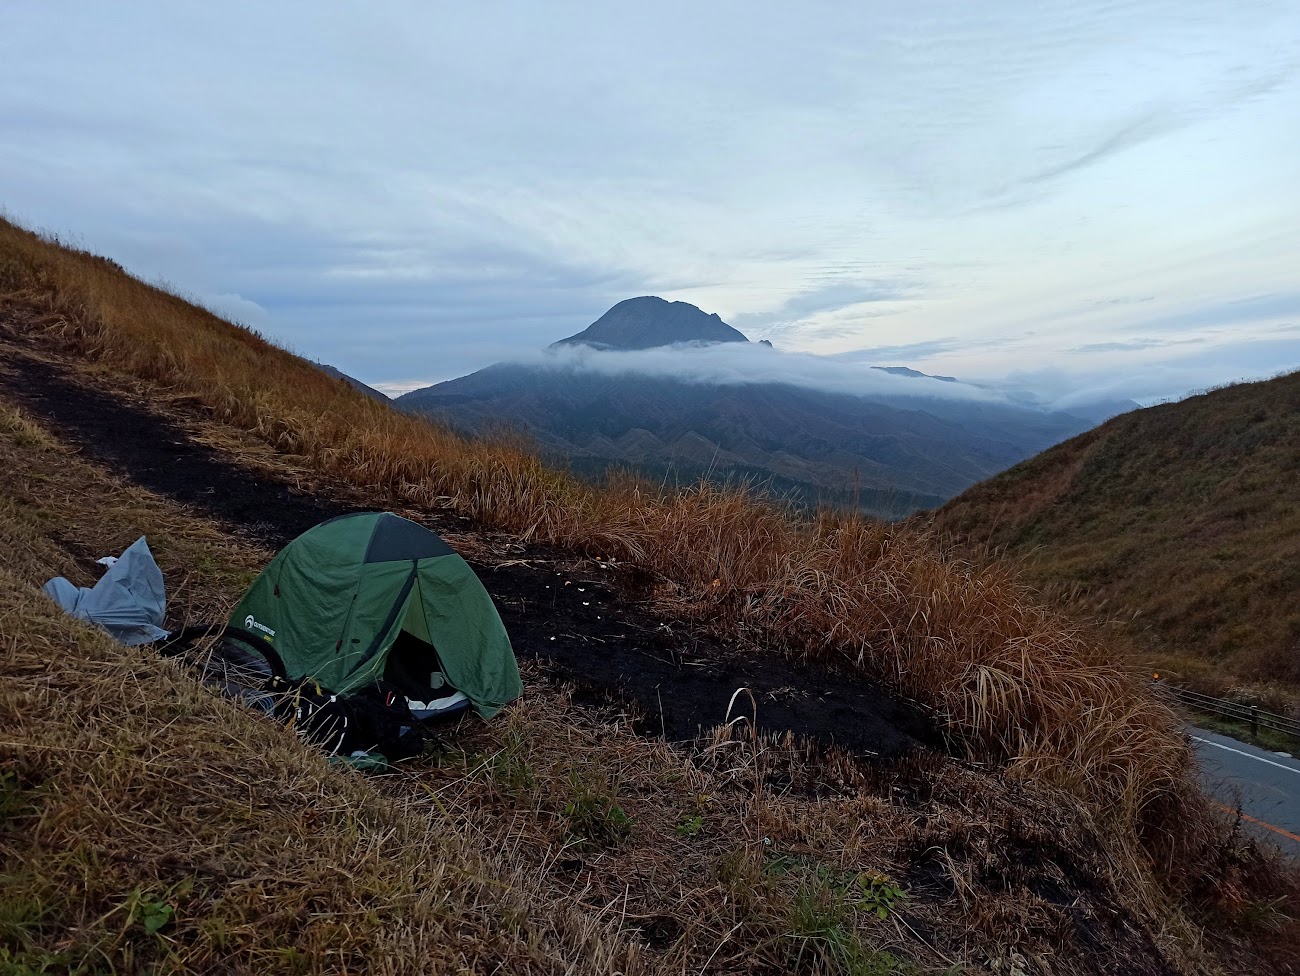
[[373, 719], [242, 666]]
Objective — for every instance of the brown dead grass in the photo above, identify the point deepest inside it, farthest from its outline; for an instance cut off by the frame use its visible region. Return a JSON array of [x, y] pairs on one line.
[[747, 855], [129, 790], [1179, 523], [1015, 683]]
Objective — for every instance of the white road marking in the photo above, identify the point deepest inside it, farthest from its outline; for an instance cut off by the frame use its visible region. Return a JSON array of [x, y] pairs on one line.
[[1289, 769]]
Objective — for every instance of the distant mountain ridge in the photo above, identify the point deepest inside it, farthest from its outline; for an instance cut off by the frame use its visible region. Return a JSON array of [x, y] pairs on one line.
[[914, 373], [892, 454]]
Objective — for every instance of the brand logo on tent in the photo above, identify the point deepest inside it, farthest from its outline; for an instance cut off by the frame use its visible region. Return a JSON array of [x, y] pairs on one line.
[[251, 623]]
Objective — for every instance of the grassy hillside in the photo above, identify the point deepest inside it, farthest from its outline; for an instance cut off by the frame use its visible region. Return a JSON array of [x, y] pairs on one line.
[[1181, 520], [148, 826], [1089, 767]]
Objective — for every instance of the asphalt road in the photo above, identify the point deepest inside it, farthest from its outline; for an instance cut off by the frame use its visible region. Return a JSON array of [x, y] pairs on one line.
[[1265, 783]]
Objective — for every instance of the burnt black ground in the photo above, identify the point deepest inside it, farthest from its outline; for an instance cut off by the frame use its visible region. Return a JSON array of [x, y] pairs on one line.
[[584, 629]]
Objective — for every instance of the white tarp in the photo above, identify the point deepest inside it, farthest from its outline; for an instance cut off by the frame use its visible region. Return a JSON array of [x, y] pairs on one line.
[[128, 601]]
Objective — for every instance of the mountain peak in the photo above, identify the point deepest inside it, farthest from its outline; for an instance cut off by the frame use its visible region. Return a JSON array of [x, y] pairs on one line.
[[649, 321]]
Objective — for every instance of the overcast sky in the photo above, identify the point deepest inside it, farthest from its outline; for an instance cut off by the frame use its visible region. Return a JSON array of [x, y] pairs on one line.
[[1097, 197]]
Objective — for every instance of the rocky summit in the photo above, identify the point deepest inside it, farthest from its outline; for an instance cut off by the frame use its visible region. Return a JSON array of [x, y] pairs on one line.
[[646, 322]]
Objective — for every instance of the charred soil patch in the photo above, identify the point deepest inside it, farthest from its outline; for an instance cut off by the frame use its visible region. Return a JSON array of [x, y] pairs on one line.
[[570, 614]]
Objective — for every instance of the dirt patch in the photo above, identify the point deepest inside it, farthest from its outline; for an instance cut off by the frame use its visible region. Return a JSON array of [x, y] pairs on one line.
[[579, 623], [150, 451]]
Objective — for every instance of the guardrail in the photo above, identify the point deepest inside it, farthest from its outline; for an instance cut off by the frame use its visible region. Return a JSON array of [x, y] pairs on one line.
[[1250, 715]]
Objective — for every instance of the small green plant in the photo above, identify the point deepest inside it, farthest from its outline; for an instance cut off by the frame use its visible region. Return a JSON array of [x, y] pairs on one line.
[[868, 892], [690, 826], [22, 911], [153, 915], [875, 894], [153, 912], [293, 960], [15, 796], [593, 812], [33, 962], [821, 928], [511, 773], [820, 924], [1262, 914], [149, 912]]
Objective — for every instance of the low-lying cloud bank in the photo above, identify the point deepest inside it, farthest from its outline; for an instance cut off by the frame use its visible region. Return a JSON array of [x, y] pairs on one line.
[[740, 364], [1087, 384]]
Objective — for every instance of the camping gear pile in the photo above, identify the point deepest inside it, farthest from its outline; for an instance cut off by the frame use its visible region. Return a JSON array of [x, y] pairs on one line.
[[361, 633]]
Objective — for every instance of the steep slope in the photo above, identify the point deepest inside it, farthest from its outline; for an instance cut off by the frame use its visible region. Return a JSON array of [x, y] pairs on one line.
[[111, 755], [356, 384], [1183, 519], [646, 322]]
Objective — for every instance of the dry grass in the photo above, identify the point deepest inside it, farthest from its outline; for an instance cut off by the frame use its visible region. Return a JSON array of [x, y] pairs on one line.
[[146, 825], [1181, 523], [556, 839], [1014, 683], [133, 797], [130, 795]]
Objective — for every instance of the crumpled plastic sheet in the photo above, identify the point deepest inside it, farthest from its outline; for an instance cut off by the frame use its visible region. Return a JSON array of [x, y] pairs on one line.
[[129, 600]]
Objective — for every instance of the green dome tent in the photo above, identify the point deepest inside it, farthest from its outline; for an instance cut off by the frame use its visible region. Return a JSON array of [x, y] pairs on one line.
[[373, 598]]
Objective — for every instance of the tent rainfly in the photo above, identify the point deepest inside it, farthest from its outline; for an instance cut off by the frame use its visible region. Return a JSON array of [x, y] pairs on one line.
[[376, 598]]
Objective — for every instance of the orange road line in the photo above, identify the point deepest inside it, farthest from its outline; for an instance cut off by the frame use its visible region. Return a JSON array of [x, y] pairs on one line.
[[1263, 823]]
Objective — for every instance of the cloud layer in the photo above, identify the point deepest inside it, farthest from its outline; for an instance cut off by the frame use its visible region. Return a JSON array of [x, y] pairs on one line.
[[742, 364]]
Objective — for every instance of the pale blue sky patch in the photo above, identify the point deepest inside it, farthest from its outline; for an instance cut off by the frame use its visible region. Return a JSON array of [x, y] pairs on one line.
[[1104, 191]]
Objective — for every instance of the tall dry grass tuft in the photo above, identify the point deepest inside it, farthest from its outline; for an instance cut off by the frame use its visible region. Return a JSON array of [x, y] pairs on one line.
[[1012, 682]]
